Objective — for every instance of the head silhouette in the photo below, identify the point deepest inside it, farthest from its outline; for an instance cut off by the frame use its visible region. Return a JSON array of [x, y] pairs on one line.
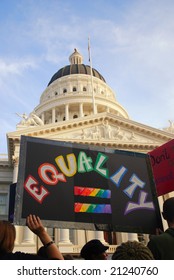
[[7, 237], [132, 250], [168, 210], [94, 250]]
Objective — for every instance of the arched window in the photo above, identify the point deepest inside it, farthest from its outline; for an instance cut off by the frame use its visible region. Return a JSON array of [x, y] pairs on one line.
[[56, 93], [74, 89], [75, 116], [84, 88], [64, 90]]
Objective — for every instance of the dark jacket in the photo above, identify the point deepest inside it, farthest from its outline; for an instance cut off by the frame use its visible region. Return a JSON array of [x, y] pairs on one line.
[[162, 246]]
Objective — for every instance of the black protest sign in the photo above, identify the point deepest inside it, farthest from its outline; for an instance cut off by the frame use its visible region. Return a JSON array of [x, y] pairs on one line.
[[75, 186]]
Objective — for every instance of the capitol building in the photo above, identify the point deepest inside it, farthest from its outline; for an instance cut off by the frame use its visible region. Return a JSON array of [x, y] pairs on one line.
[[78, 106]]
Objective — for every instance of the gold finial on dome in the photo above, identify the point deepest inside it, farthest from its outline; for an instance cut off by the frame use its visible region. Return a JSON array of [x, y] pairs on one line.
[[76, 57]]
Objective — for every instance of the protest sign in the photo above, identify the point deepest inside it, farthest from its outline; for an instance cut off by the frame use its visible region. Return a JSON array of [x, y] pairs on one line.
[[85, 187], [162, 161]]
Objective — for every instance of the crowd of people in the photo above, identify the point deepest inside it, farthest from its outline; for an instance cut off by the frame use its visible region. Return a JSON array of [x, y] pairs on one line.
[[159, 247]]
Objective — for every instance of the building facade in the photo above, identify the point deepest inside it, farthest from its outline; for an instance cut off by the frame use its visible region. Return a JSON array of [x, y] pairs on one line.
[[78, 107]]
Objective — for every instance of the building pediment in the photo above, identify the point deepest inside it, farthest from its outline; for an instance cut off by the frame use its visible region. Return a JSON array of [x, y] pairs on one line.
[[104, 129]]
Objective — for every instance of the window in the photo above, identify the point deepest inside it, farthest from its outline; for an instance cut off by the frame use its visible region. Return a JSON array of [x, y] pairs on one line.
[[64, 90], [84, 88], [75, 116], [3, 203], [74, 89]]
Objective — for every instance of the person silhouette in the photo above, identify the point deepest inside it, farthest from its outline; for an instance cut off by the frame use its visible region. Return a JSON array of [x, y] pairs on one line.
[[132, 250], [162, 245], [94, 250]]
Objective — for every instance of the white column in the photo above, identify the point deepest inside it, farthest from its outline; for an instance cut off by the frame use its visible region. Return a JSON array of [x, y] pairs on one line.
[[96, 109], [81, 110], [100, 236], [15, 168], [90, 234], [121, 237], [28, 236], [67, 112], [43, 117], [56, 235], [95, 235], [64, 237], [132, 236], [79, 237], [53, 115]]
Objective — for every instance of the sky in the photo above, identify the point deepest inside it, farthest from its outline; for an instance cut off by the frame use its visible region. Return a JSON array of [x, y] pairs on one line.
[[132, 46]]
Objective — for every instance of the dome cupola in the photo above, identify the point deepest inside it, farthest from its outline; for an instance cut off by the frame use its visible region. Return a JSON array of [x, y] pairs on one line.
[[75, 58], [76, 67], [77, 91]]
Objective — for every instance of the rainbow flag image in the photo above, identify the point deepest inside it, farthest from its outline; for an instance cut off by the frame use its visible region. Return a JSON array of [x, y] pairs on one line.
[[98, 208]]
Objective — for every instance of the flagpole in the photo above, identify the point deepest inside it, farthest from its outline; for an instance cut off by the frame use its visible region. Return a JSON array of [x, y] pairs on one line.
[[92, 85]]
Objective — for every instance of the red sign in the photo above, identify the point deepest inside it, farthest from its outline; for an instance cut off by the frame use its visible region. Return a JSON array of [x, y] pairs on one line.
[[162, 161]]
